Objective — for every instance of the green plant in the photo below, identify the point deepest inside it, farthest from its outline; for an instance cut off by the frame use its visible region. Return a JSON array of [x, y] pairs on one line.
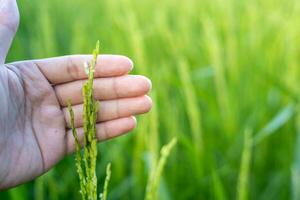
[[86, 162], [240, 61], [243, 179], [103, 196], [154, 179]]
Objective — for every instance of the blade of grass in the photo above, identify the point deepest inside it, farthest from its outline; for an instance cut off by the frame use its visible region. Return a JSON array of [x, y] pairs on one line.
[[295, 170], [277, 122], [243, 179], [218, 189]]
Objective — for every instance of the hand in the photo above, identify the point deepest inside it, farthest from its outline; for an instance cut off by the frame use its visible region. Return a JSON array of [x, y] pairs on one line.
[[34, 121]]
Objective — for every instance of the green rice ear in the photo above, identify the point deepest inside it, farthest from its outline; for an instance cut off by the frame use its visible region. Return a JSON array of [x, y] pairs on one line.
[[78, 157], [86, 162], [154, 179]]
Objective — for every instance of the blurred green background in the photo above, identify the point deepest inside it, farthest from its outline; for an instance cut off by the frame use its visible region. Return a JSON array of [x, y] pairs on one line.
[[226, 79]]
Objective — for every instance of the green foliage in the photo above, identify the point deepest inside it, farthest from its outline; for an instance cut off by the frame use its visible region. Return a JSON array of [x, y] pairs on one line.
[[216, 68]]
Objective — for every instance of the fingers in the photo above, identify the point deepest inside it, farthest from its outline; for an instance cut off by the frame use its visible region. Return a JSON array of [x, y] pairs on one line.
[[105, 130], [104, 89], [113, 109], [71, 68], [9, 20]]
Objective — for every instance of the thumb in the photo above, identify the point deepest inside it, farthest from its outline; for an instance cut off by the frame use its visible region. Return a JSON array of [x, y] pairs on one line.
[[9, 21]]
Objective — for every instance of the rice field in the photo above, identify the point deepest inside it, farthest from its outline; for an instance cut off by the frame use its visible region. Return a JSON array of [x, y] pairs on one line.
[[226, 77]]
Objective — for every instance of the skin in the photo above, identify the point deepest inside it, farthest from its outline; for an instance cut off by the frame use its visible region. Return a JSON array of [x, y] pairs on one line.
[[34, 122]]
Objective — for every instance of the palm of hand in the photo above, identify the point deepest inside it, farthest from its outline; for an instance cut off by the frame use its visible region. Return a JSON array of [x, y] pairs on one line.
[[36, 131], [34, 123]]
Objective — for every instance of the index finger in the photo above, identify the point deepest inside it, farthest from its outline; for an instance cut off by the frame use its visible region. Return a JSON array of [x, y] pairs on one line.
[[71, 68]]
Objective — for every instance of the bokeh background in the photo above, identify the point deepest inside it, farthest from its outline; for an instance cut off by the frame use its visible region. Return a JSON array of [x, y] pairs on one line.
[[225, 82]]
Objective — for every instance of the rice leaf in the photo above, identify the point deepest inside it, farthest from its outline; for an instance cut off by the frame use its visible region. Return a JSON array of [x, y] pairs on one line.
[[243, 179], [295, 170], [277, 122]]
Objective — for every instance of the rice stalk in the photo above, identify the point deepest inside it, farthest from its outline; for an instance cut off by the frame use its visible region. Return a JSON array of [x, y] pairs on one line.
[[154, 180], [103, 196], [86, 162], [243, 179]]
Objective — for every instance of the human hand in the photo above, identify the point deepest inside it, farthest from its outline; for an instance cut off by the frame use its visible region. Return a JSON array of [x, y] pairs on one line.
[[34, 121]]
